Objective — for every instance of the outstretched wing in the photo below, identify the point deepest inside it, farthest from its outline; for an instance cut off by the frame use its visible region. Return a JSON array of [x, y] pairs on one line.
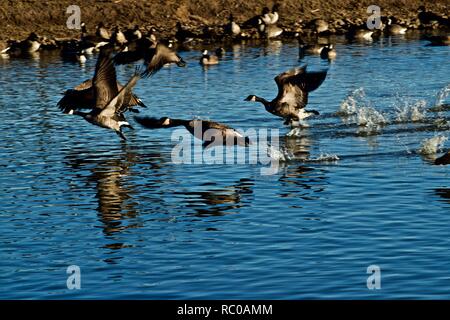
[[104, 82], [77, 99], [116, 104], [291, 88], [157, 57], [294, 85], [87, 84], [314, 79]]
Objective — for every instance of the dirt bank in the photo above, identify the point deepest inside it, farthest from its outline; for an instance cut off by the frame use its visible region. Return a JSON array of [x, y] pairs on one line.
[[48, 18]]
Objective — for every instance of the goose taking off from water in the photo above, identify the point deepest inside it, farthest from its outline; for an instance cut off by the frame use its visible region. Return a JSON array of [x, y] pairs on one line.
[[293, 88], [155, 56], [201, 129], [82, 97], [109, 101]]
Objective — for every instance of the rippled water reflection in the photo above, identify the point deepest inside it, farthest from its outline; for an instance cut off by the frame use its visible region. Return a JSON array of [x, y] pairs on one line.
[[140, 226]]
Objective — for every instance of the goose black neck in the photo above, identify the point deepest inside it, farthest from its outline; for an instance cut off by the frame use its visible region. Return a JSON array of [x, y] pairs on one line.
[[263, 101]]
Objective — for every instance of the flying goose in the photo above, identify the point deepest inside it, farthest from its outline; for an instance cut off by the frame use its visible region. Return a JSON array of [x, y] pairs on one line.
[[443, 160], [155, 56], [293, 88], [394, 29], [82, 97], [109, 101], [208, 59], [201, 129]]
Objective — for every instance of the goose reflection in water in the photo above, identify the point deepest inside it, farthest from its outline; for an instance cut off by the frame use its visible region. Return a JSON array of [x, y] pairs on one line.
[[110, 173], [217, 200], [444, 193]]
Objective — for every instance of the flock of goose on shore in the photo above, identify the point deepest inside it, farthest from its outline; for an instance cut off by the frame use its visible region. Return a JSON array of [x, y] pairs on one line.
[[105, 101]]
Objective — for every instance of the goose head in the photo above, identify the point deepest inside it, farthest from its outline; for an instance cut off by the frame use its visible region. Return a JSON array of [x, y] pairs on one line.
[[250, 98]]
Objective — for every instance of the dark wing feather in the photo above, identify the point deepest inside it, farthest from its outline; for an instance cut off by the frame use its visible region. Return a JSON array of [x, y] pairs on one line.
[[77, 99], [313, 80], [116, 104], [157, 57], [125, 57], [84, 85], [105, 83], [149, 122]]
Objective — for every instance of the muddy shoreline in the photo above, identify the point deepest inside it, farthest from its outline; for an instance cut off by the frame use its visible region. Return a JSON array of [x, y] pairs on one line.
[[48, 18]]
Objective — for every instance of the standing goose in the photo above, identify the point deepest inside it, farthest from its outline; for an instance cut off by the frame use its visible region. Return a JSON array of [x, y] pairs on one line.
[[201, 129], [109, 101], [293, 88], [271, 17], [269, 31], [232, 28], [394, 29], [254, 22], [155, 56], [102, 31], [318, 26]]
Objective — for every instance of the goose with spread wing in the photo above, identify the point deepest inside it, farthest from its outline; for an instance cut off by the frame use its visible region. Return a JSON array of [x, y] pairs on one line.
[[154, 54], [109, 100], [201, 129], [82, 97], [293, 88]]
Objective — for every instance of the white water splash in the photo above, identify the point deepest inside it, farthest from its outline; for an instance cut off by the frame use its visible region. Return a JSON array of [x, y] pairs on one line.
[[325, 157], [442, 95], [432, 145], [369, 117], [411, 112], [357, 109], [278, 154], [351, 104]]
